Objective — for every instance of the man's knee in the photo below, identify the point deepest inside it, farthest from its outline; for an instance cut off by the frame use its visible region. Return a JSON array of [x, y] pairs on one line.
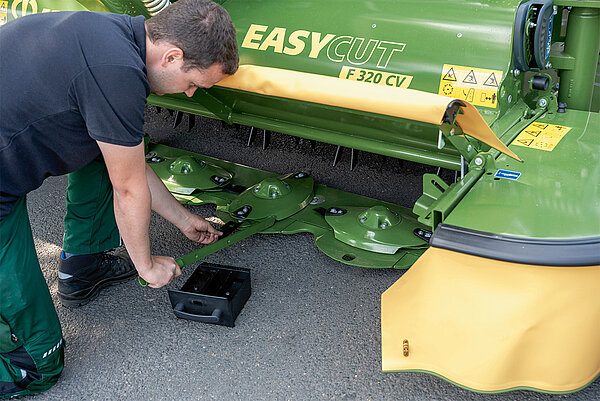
[[32, 367]]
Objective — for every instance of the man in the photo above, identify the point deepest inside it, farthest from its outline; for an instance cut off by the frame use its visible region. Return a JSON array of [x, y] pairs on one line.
[[74, 86]]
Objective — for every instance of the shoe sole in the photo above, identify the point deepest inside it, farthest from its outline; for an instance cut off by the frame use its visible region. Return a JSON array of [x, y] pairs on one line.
[[80, 300]]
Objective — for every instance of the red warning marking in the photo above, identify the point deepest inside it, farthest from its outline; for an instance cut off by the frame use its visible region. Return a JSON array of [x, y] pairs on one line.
[[450, 76], [470, 78], [491, 81], [525, 142]]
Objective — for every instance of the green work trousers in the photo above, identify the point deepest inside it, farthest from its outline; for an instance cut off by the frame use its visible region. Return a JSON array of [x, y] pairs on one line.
[[31, 343], [90, 225]]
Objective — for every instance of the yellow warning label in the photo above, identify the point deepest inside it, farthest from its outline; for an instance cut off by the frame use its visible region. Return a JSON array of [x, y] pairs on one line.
[[3, 12], [375, 77], [477, 86], [541, 136]]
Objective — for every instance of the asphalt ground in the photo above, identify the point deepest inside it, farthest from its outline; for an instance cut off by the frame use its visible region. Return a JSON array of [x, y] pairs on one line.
[[310, 330]]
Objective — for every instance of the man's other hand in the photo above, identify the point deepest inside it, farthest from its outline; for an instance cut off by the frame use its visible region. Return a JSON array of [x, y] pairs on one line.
[[199, 230]]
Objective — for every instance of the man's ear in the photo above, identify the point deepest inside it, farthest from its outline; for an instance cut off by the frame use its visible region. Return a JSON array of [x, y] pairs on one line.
[[171, 55]]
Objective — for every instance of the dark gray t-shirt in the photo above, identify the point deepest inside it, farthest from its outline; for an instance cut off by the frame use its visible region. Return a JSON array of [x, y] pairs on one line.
[[67, 80]]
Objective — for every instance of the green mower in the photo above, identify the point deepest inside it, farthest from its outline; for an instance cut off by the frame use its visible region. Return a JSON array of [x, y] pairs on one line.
[[503, 287]]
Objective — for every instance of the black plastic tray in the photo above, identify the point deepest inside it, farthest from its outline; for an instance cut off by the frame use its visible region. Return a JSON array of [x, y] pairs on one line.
[[213, 294]]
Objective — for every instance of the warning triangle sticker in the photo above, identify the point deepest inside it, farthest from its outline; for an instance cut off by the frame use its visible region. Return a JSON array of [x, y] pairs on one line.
[[470, 78], [450, 76], [533, 133], [525, 142], [491, 81]]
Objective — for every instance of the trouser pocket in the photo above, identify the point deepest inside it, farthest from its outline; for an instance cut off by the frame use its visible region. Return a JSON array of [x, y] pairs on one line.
[[8, 341]]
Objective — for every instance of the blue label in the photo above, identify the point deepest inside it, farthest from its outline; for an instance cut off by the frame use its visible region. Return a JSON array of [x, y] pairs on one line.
[[511, 175], [548, 39]]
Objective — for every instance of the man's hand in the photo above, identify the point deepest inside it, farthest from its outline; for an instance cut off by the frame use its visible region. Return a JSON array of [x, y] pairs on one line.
[[199, 230], [163, 270], [194, 227]]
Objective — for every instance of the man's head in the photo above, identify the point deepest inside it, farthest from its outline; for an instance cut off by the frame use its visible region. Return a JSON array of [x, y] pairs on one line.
[[196, 41]]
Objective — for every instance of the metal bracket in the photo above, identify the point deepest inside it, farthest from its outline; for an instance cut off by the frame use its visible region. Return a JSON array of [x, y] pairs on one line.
[[467, 147], [483, 161], [214, 105]]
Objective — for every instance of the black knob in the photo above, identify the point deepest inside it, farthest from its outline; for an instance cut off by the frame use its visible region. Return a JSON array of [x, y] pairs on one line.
[[540, 82]]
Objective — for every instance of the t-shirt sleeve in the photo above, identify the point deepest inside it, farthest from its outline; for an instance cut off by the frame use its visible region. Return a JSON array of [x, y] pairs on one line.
[[111, 101]]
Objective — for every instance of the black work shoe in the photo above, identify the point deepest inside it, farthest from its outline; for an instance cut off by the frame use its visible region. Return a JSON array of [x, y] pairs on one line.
[[81, 277]]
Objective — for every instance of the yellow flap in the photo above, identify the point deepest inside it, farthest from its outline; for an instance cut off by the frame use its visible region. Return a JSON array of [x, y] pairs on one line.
[[397, 102], [490, 325]]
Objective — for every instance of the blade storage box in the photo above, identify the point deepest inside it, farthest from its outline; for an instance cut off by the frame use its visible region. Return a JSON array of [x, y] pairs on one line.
[[213, 294]]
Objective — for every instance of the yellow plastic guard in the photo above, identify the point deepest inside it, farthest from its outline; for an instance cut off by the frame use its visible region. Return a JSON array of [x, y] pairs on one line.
[[398, 102], [491, 326]]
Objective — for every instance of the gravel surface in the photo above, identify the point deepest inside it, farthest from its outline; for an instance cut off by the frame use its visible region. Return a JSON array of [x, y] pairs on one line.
[[310, 331]]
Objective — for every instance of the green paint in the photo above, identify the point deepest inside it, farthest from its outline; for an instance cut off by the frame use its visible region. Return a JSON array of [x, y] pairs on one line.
[[280, 197], [308, 43], [583, 44], [296, 210], [377, 229], [556, 196], [185, 174]]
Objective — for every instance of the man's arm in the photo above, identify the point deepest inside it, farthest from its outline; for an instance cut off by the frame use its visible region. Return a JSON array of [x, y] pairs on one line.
[[132, 202]]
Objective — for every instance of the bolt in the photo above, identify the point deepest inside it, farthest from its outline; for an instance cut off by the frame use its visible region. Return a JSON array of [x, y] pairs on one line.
[[363, 219], [509, 98], [548, 65], [150, 154], [516, 72], [478, 161], [383, 225], [186, 170], [543, 102], [374, 26], [469, 148], [459, 35], [274, 195], [316, 200], [256, 189]]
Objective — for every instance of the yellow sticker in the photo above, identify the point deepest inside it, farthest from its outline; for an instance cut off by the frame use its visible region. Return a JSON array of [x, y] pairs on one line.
[[376, 77], [541, 136], [477, 86], [3, 12]]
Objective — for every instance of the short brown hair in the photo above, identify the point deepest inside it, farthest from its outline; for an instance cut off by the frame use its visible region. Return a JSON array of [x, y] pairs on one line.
[[202, 29]]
